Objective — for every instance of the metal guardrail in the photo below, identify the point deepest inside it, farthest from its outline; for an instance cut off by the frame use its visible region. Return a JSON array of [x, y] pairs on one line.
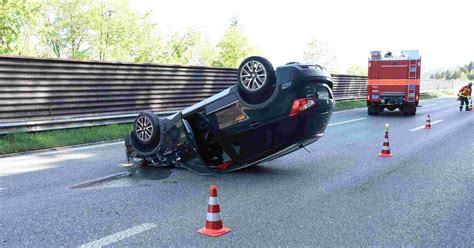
[[43, 94]]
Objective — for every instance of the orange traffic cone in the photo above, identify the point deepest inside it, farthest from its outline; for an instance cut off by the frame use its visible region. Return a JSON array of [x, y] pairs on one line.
[[214, 226], [428, 122], [386, 145]]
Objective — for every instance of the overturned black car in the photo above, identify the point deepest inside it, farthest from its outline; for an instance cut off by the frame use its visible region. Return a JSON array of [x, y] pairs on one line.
[[266, 115]]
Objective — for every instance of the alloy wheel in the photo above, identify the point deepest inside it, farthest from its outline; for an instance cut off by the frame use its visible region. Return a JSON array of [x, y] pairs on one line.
[[144, 129], [253, 75]]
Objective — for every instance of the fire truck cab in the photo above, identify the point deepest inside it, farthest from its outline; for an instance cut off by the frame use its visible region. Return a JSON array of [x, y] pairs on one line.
[[393, 82]]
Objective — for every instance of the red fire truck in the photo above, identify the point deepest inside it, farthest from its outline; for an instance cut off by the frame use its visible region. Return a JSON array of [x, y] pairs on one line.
[[393, 82]]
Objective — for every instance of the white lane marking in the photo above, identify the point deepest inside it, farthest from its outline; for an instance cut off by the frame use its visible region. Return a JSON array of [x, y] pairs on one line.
[[421, 127], [429, 105], [119, 236], [344, 122]]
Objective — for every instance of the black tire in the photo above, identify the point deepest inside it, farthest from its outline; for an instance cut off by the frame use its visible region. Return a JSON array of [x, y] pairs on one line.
[[408, 111], [370, 111], [146, 134], [256, 79], [405, 111], [373, 110]]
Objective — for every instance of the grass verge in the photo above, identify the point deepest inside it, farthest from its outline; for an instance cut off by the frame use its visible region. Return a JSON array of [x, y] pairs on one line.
[[20, 142], [436, 94], [352, 104]]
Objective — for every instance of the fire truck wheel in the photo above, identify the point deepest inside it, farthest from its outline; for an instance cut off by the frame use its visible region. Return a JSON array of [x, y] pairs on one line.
[[408, 111], [373, 110]]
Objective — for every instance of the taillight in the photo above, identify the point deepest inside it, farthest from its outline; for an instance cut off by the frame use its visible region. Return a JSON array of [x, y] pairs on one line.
[[301, 105]]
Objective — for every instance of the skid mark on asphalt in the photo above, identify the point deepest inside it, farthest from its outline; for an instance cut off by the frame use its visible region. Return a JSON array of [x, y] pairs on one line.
[[422, 127], [127, 179], [119, 236], [344, 122], [99, 182]]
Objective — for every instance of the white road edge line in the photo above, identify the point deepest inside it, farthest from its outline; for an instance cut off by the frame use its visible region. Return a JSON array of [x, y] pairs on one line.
[[421, 127], [119, 236], [344, 122]]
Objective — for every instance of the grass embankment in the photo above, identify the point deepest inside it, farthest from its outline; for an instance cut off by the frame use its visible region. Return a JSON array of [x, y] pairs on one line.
[[20, 142], [436, 94], [352, 104]]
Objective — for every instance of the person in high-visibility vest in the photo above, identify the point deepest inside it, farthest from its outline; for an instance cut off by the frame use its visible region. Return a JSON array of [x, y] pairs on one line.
[[465, 96]]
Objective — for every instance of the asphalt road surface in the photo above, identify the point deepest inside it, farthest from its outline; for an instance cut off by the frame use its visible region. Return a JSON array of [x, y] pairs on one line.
[[340, 194]]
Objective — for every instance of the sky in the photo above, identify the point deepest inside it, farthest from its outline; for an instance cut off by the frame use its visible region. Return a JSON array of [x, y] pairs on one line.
[[442, 30]]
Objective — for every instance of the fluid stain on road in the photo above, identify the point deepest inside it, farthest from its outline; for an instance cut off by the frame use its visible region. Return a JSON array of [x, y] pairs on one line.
[[128, 179]]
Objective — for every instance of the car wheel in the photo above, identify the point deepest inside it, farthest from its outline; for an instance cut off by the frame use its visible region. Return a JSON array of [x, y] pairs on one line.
[[146, 133], [256, 79]]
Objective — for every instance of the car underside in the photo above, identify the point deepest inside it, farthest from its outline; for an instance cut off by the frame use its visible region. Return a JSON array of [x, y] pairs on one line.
[[267, 114]]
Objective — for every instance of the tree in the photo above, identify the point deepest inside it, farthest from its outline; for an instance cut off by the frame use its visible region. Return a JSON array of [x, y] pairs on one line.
[[109, 30], [318, 52], [121, 34], [470, 76], [448, 75], [357, 70], [233, 46], [14, 17], [183, 47], [67, 28], [102, 29], [207, 53]]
